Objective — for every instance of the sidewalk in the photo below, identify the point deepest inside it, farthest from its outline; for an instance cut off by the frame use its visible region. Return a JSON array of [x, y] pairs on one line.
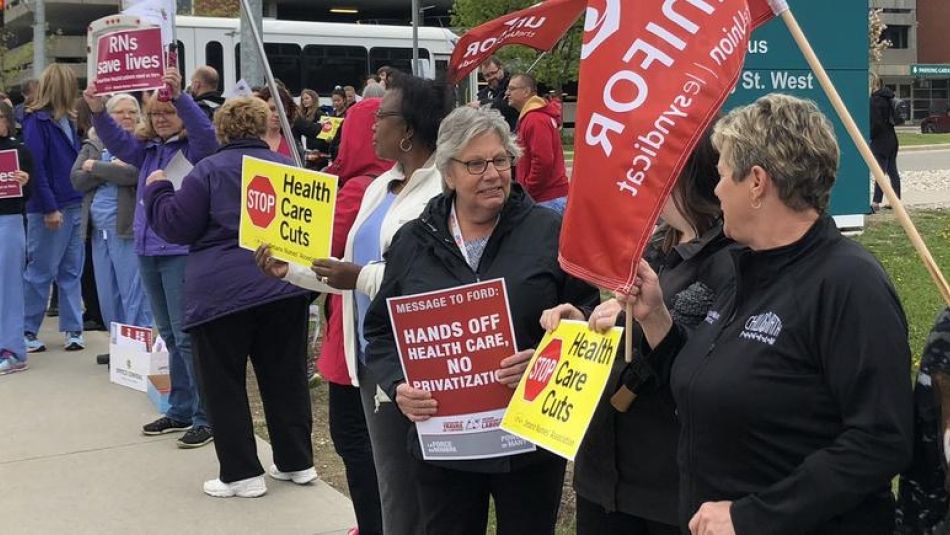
[[73, 460]]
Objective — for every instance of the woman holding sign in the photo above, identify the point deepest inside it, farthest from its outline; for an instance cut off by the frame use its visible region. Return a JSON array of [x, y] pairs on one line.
[[484, 226], [405, 130], [175, 134], [14, 191], [234, 311], [793, 394]]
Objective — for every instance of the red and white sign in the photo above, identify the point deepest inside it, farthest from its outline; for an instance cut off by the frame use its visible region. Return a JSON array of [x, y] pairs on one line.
[[129, 60], [653, 76], [540, 26], [451, 342], [9, 165], [540, 374], [261, 201]]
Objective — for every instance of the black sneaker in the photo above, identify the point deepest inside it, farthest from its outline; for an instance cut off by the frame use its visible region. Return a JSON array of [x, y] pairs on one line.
[[195, 437], [165, 425]]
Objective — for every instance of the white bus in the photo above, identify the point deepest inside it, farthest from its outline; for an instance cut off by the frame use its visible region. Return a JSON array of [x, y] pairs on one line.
[[314, 55]]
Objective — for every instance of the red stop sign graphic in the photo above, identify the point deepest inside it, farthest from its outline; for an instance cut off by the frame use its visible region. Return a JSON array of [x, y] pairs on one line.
[[261, 201], [540, 374]]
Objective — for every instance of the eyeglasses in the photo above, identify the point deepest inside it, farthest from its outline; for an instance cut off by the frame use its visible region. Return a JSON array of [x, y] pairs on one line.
[[162, 114], [478, 167], [380, 114], [516, 87]]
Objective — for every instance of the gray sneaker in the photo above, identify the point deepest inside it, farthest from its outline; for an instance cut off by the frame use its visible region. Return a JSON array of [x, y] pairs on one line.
[[74, 341]]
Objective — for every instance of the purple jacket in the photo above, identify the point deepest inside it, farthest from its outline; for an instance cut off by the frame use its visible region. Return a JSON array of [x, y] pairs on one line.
[[53, 157], [220, 277], [154, 154]]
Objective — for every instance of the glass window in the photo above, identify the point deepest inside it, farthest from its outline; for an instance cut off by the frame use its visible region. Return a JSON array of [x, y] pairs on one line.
[[897, 35], [214, 57], [284, 59], [326, 66], [398, 58]]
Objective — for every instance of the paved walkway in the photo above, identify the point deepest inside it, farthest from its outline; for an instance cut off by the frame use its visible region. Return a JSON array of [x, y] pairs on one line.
[[73, 461]]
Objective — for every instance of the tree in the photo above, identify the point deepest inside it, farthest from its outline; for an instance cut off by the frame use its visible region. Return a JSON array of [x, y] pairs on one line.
[[877, 46], [558, 67], [218, 8]]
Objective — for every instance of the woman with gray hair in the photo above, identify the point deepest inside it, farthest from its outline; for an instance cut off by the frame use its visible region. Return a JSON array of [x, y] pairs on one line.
[[108, 210], [793, 395], [483, 226]]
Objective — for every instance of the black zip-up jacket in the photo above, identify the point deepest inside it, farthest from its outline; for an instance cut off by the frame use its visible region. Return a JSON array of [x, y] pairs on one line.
[[17, 205], [883, 136], [627, 461], [794, 397], [424, 257]]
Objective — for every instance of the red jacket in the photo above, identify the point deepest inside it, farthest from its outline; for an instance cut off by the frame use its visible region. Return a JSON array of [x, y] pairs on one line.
[[541, 169]]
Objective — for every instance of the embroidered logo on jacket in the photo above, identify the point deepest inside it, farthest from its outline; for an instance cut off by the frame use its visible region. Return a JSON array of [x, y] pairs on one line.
[[764, 328], [712, 317]]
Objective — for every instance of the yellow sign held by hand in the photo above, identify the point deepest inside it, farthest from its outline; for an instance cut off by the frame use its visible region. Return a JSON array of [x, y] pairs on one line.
[[289, 208], [559, 391]]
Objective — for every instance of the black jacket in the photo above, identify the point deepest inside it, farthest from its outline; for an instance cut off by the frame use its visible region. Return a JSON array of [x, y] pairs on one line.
[[627, 461], [495, 98], [883, 136], [424, 257], [794, 395], [17, 205], [209, 103]]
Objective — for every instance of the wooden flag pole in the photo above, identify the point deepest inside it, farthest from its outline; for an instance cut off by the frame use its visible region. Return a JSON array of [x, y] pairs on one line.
[[624, 397], [869, 158]]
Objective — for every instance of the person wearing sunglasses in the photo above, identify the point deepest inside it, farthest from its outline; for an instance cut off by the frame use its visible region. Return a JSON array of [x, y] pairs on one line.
[[483, 226]]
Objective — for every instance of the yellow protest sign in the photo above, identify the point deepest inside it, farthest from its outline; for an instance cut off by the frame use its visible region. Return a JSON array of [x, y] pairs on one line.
[[328, 127], [287, 207], [558, 393]]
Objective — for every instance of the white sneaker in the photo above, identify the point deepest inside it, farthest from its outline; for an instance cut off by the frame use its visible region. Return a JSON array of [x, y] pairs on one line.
[[251, 487], [300, 477]]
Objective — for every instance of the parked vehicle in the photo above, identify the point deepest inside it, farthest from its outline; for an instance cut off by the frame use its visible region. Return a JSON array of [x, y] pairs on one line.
[[938, 123]]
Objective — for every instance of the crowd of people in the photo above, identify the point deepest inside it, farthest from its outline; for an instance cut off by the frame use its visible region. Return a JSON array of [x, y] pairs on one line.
[[774, 393]]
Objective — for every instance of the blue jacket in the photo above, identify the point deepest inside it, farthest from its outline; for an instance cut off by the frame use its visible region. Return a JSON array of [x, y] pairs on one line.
[[221, 278], [151, 155], [53, 156]]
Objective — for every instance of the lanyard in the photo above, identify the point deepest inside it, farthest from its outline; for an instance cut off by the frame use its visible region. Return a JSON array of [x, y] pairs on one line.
[[456, 231]]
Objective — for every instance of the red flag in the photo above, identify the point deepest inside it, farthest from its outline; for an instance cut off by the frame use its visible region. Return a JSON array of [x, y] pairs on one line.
[[540, 26], [653, 75]]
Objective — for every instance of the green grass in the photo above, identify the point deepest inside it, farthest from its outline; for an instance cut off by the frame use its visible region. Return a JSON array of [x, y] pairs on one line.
[[885, 238], [907, 139]]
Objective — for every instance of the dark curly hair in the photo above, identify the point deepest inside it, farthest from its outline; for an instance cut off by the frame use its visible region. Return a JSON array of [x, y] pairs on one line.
[[423, 105]]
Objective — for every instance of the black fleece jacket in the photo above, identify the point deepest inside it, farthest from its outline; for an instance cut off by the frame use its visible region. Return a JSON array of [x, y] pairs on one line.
[[424, 257], [794, 396]]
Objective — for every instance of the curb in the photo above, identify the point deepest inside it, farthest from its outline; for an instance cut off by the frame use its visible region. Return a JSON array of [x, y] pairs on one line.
[[916, 148]]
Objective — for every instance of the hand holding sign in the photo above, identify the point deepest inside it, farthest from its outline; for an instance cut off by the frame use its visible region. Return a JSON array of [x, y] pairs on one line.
[[268, 264], [513, 367], [415, 403], [96, 103], [605, 315], [552, 317], [340, 275], [22, 177], [172, 79], [156, 176]]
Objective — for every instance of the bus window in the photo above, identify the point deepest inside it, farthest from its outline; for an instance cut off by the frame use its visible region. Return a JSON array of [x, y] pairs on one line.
[[182, 68], [398, 58], [284, 59], [441, 68], [214, 57], [326, 66]]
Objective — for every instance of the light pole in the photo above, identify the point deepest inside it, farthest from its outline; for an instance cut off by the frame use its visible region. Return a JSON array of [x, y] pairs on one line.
[[39, 37]]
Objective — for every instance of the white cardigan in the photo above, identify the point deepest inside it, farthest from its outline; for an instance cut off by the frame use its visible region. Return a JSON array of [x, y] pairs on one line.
[[424, 184]]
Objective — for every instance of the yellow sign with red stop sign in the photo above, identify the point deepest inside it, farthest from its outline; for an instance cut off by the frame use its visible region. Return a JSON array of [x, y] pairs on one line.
[[558, 393], [289, 208]]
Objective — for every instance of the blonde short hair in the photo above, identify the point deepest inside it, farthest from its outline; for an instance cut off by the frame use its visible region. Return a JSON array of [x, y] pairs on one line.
[[241, 118], [150, 102], [462, 126], [788, 137], [57, 92]]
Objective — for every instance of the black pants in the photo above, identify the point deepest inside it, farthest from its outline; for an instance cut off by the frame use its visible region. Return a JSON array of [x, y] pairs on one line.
[[275, 337], [352, 444], [888, 163], [592, 519], [454, 502], [90, 295]]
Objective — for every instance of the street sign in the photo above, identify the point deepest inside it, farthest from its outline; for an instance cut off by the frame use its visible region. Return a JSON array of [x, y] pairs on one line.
[[929, 69], [775, 64]]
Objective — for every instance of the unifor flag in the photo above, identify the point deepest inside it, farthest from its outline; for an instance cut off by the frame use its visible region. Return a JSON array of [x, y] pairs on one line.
[[653, 76], [540, 27]]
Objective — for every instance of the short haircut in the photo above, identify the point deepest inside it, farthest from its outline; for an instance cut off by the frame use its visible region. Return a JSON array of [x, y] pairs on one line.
[[208, 76], [115, 99], [373, 91], [465, 124], [349, 88], [494, 60], [422, 104], [241, 118], [527, 80], [791, 140]]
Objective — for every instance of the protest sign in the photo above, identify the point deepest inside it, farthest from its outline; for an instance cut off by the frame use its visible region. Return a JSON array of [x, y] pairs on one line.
[[451, 342], [328, 127], [557, 396], [9, 165], [129, 60], [289, 208]]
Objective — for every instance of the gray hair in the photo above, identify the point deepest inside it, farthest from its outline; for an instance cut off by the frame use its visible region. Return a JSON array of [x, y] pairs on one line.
[[465, 124], [791, 139], [373, 91], [115, 99]]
